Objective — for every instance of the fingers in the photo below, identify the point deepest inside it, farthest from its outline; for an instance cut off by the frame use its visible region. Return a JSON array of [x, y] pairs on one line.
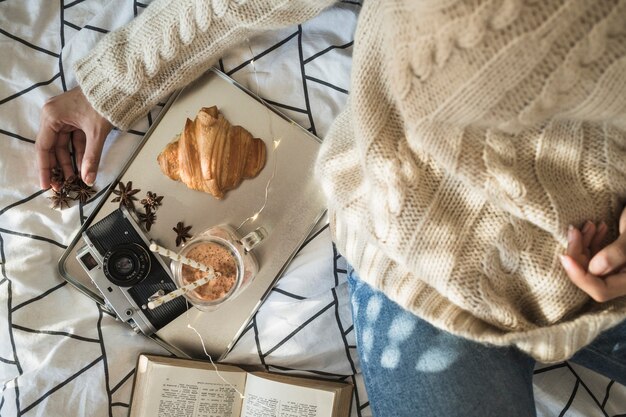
[[615, 285], [46, 144], [78, 142], [575, 245], [45, 162], [588, 231], [603, 277], [45, 154], [610, 259], [95, 128], [63, 154], [91, 157], [601, 233], [65, 113], [600, 289], [587, 282]]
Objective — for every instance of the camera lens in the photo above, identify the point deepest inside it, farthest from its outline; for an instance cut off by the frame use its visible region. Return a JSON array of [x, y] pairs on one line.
[[124, 265], [127, 264]]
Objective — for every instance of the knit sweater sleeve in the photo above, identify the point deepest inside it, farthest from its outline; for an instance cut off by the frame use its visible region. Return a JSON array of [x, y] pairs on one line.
[[170, 45]]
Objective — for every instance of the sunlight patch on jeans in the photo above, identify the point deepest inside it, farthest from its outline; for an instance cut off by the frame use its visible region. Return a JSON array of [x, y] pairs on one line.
[[436, 359], [401, 327], [390, 357], [367, 341], [372, 311]]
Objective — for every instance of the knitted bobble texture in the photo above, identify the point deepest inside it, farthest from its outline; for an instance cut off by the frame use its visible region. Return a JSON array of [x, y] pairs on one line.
[[478, 131]]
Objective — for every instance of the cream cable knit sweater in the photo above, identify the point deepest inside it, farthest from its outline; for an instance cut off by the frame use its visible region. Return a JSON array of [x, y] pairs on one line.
[[171, 44], [475, 132]]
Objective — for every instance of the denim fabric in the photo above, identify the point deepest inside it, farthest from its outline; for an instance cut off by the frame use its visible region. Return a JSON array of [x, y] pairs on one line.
[[413, 369]]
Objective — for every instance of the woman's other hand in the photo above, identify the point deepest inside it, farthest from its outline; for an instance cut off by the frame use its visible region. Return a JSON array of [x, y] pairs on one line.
[[64, 118], [600, 272]]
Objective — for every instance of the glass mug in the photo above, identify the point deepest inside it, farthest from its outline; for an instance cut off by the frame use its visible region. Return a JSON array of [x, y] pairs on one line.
[[230, 256]]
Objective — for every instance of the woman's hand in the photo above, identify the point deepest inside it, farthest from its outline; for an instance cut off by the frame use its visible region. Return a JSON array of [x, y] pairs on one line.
[[64, 118], [600, 272]]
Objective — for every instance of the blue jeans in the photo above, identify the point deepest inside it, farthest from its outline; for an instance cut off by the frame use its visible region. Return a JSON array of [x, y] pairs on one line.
[[414, 369]]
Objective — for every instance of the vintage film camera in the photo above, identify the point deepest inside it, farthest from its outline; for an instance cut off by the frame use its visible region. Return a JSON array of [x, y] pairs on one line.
[[117, 259]]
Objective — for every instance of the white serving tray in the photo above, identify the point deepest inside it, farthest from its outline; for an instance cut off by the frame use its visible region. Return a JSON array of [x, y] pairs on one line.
[[294, 206]]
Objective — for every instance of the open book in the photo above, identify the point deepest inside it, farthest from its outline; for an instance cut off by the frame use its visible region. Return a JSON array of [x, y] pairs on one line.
[[166, 387]]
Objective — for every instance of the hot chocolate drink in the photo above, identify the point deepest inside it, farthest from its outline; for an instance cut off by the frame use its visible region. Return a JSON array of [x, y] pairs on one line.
[[221, 259]]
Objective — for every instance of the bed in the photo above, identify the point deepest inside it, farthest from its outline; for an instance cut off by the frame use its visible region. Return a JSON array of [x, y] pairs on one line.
[[61, 354]]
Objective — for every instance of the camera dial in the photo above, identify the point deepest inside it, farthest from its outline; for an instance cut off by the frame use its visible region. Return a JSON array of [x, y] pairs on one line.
[[126, 264]]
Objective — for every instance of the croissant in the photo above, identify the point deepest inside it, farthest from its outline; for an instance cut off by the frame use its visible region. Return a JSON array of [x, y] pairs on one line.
[[211, 155]]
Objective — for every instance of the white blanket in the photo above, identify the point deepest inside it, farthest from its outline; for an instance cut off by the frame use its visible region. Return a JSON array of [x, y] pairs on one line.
[[60, 353]]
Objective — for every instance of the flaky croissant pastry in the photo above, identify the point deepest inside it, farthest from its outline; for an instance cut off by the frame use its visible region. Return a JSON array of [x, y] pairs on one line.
[[211, 155]]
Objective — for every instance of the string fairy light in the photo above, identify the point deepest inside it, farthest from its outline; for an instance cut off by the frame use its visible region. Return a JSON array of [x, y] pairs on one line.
[[189, 326], [276, 143], [211, 274], [267, 188]]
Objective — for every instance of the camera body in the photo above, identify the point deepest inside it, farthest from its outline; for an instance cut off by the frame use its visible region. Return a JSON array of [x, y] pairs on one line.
[[117, 259]]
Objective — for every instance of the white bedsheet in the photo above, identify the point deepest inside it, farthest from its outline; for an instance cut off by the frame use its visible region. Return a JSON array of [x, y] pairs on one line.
[[60, 353]]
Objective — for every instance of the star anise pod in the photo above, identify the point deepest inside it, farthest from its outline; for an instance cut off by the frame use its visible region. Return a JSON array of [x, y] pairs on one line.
[[69, 184], [82, 192], [56, 176], [182, 233], [148, 218], [125, 195], [60, 200], [152, 201]]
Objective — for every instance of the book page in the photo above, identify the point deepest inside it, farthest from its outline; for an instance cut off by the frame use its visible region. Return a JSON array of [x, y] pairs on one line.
[[187, 392], [266, 398]]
